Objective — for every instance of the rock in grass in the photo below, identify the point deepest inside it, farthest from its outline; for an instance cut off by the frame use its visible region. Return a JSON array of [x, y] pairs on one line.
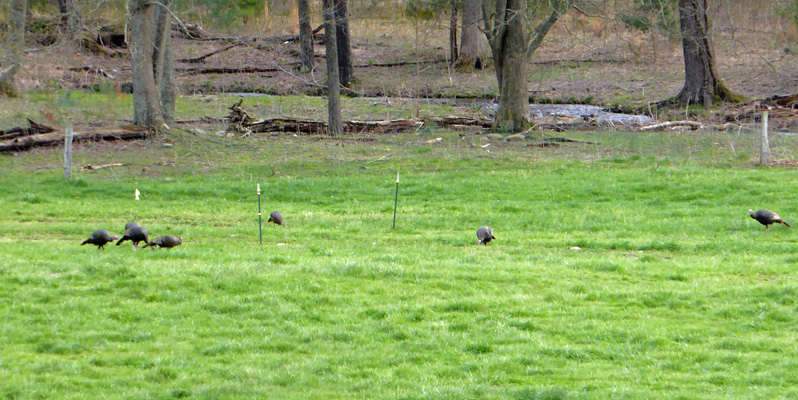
[[767, 218], [100, 238], [485, 235]]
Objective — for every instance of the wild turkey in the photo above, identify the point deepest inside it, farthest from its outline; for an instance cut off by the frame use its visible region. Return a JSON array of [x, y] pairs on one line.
[[100, 238], [485, 235], [276, 217], [131, 224], [767, 218], [165, 241], [135, 234]]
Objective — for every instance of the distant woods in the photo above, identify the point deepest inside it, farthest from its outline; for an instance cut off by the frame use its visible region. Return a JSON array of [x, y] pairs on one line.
[[499, 34], [12, 47]]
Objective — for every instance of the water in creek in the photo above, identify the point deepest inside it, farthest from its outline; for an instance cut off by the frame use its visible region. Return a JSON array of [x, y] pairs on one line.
[[535, 110], [564, 110], [580, 110]]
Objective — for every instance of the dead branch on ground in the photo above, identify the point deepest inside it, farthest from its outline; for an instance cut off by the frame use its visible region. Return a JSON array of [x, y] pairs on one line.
[[56, 139], [203, 57], [92, 168], [96, 70], [783, 110], [670, 124], [32, 129]]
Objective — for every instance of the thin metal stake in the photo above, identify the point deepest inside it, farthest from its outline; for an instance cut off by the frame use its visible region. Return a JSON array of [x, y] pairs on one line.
[[260, 219], [68, 153], [395, 200], [764, 145]]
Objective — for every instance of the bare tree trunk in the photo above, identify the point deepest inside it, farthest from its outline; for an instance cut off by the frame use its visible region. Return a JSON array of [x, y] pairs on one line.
[[141, 37], [12, 48], [163, 60], [701, 84], [70, 17], [305, 36], [453, 55], [293, 20], [345, 68], [473, 45], [168, 86], [334, 123], [508, 42], [160, 20]]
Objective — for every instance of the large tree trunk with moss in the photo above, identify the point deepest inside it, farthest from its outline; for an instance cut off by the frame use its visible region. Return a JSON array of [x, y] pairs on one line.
[[344, 46], [305, 36], [701, 84], [474, 52], [334, 121], [12, 46]]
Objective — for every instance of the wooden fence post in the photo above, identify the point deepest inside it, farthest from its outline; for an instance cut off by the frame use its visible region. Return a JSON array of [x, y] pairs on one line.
[[68, 153], [764, 149]]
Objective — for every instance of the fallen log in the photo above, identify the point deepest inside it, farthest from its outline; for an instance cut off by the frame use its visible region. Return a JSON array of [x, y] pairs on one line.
[[790, 101], [581, 61], [309, 127], [783, 110], [556, 141], [32, 129], [226, 70], [482, 122], [567, 140], [96, 70], [670, 124], [56, 139], [92, 168], [202, 58], [240, 122], [261, 70], [401, 63]]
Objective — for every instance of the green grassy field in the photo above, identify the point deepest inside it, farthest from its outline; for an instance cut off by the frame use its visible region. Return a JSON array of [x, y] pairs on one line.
[[674, 292]]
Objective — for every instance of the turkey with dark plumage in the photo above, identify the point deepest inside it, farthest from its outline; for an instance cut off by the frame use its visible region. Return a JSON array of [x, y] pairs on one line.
[[100, 238], [485, 235], [165, 241], [135, 234], [767, 218], [277, 218]]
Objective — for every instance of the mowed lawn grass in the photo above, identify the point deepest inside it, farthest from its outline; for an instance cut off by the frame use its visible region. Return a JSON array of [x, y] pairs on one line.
[[616, 277]]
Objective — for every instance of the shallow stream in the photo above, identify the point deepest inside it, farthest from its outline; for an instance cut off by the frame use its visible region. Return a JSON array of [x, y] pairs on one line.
[[536, 110]]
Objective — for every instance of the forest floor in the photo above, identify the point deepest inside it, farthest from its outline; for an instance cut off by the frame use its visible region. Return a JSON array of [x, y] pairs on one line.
[[580, 62]]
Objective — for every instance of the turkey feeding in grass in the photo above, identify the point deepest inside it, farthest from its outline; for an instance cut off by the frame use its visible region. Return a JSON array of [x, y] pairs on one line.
[[135, 233], [277, 218], [485, 235], [100, 238], [165, 241], [767, 218]]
